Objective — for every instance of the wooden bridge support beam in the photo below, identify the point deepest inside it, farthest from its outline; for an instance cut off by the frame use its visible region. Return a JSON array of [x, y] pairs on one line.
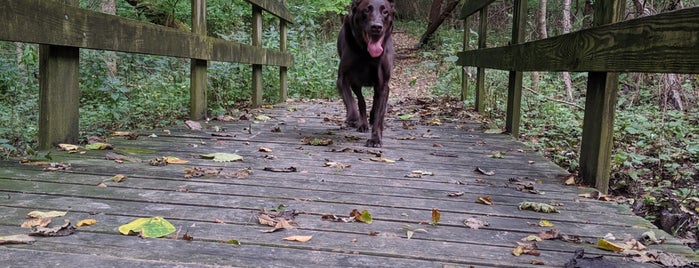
[[480, 76], [514, 92], [198, 78], [256, 68], [283, 78], [464, 70], [600, 106], [59, 93]]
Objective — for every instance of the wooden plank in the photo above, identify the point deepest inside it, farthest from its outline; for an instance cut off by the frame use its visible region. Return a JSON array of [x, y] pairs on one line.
[[50, 22], [472, 6], [275, 8], [480, 73], [600, 106], [663, 43], [514, 88], [198, 68], [283, 77]]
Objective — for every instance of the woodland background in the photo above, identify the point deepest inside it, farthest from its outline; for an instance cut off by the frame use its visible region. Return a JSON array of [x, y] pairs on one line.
[[656, 158]]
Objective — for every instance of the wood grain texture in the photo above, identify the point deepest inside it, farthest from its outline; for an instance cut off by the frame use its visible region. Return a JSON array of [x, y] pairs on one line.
[[274, 7], [49, 22], [217, 209], [663, 43], [472, 6]]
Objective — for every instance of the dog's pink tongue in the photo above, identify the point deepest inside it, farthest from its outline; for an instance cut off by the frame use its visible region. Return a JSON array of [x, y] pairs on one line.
[[375, 49]]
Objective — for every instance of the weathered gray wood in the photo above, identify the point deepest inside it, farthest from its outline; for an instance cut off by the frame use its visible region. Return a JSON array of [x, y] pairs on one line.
[[283, 77], [257, 86], [464, 70], [600, 106], [473, 6], [514, 89], [275, 8], [198, 78], [661, 43], [50, 22], [480, 75], [59, 93], [395, 201]]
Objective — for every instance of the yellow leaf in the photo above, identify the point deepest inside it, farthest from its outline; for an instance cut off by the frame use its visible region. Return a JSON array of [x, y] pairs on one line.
[[118, 178], [50, 214], [175, 160], [299, 238], [485, 200], [517, 251], [545, 223], [148, 227], [86, 222], [606, 245], [98, 146]]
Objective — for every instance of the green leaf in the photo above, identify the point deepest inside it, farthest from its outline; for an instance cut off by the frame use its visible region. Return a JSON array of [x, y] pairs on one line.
[[148, 227], [405, 117], [538, 207], [364, 217], [222, 157], [98, 146]]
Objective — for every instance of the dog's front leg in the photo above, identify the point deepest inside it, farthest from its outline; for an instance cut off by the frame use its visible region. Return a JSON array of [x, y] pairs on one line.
[[363, 125], [378, 113], [343, 87]]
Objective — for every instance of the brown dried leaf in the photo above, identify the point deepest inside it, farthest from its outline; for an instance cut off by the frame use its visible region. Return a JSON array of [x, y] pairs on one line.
[[475, 223], [299, 238], [484, 172], [193, 125], [549, 234], [485, 200], [455, 194], [63, 230], [40, 222]]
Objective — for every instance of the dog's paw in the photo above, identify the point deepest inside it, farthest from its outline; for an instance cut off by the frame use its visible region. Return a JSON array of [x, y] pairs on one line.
[[364, 128], [375, 143]]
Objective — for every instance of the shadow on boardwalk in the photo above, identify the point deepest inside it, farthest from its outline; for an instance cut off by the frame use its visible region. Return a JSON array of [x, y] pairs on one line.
[[216, 209]]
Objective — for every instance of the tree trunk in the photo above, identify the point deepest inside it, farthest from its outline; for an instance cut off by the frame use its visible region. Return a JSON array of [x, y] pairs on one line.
[[542, 33], [109, 7], [567, 27], [434, 25]]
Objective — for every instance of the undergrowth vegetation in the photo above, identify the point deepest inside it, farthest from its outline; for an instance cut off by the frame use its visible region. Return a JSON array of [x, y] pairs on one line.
[[656, 146]]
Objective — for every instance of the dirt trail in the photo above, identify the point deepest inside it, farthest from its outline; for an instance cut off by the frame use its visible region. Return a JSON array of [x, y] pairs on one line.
[[410, 79]]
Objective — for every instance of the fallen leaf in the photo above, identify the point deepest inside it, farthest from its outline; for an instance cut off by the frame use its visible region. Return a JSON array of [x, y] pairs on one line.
[[99, 146], [409, 234], [570, 180], [475, 223], [49, 214], [193, 125], [222, 157], [63, 230], [41, 222], [534, 238], [16, 239], [118, 178], [538, 207], [148, 227], [102, 185], [262, 117], [485, 200], [607, 245], [498, 155], [455, 194], [526, 248], [282, 170], [537, 262], [330, 217], [337, 165], [382, 160], [299, 238], [435, 216], [86, 222], [187, 237], [57, 167], [444, 154], [265, 149], [363, 216], [484, 172], [549, 234], [68, 147], [175, 160], [233, 242], [315, 141], [545, 223]]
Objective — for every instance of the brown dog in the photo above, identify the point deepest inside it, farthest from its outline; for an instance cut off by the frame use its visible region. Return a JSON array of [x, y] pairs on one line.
[[366, 54]]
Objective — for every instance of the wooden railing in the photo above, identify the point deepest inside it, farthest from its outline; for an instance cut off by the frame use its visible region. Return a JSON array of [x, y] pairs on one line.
[[62, 29], [663, 43]]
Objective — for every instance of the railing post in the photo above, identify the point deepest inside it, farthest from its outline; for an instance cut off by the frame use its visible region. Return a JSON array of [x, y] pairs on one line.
[[464, 72], [480, 76], [600, 106], [283, 80], [256, 68], [198, 79], [59, 93], [514, 92]]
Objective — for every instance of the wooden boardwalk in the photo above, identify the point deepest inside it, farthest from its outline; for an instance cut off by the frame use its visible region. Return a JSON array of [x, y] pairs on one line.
[[216, 209]]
